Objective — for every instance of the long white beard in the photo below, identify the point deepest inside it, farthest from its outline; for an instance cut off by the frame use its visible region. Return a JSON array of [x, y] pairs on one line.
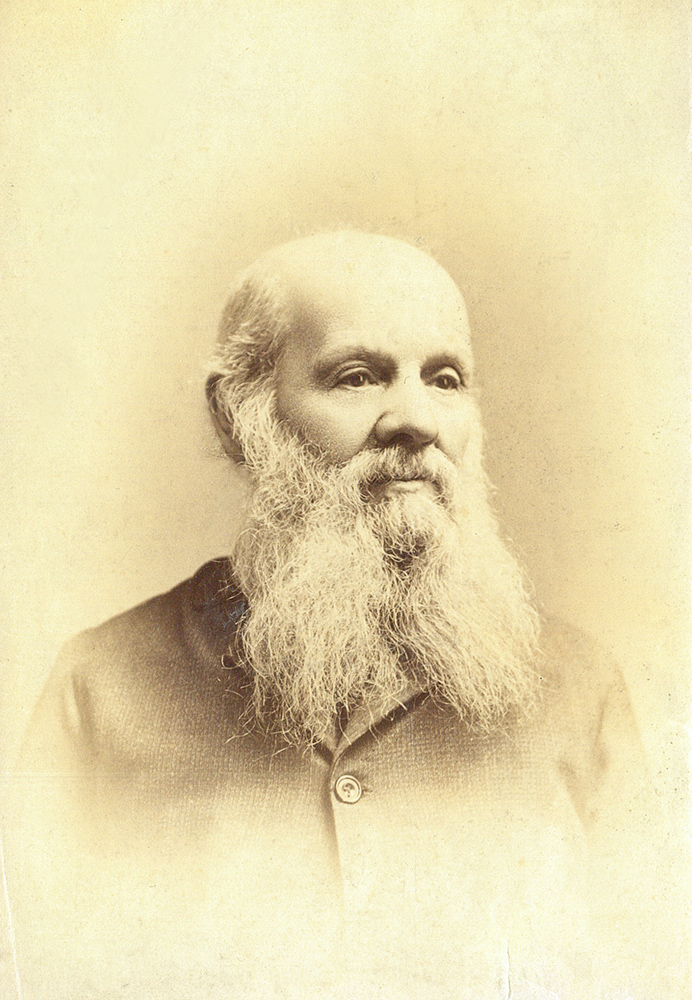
[[352, 598]]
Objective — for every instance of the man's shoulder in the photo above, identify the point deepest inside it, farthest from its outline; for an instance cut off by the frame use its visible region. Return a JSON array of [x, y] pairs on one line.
[[587, 725], [151, 669], [572, 663], [578, 674], [191, 621]]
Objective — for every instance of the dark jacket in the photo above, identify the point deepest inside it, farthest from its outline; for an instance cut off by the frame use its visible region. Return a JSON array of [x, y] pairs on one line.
[[192, 855]]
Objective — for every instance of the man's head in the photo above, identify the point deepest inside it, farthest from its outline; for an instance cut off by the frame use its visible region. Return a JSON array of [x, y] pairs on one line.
[[364, 340], [372, 561]]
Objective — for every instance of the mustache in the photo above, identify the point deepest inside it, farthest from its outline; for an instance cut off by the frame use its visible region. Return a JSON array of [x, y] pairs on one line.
[[376, 468]]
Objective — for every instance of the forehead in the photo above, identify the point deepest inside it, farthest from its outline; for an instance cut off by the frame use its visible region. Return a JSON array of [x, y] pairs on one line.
[[407, 308]]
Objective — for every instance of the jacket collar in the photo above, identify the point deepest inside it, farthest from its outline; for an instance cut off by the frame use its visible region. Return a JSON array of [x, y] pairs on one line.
[[369, 714]]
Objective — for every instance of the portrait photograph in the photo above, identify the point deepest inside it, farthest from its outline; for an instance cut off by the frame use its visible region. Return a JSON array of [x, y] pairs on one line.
[[346, 565]]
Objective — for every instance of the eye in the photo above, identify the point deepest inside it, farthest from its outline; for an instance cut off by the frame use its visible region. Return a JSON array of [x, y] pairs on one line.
[[449, 380], [357, 378]]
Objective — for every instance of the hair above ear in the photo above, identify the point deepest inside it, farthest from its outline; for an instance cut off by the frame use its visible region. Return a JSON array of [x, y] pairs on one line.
[[223, 422]]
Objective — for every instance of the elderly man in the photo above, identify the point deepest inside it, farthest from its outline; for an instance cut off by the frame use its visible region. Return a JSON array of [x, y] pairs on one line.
[[346, 760]]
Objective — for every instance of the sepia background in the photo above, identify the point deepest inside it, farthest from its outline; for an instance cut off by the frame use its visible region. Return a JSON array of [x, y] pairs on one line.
[[538, 149]]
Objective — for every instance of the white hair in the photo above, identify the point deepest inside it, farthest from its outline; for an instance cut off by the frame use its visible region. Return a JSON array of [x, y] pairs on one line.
[[351, 600]]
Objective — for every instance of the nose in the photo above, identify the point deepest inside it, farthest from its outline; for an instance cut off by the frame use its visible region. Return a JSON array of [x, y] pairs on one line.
[[408, 417]]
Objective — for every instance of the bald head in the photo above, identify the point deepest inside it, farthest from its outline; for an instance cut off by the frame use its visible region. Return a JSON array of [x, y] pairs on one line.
[[356, 271], [344, 293]]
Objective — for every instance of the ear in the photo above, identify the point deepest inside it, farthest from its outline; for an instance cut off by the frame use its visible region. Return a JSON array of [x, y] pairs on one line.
[[223, 424]]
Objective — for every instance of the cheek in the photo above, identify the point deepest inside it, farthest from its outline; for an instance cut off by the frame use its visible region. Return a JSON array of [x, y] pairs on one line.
[[463, 435], [339, 431]]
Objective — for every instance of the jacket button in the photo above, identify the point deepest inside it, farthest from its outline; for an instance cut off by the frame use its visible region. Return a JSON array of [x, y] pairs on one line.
[[347, 789]]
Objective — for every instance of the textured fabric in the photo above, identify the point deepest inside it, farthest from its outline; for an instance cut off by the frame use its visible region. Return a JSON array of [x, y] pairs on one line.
[[169, 849]]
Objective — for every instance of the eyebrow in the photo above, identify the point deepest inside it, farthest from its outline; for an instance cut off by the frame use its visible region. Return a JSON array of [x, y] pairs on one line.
[[447, 360]]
